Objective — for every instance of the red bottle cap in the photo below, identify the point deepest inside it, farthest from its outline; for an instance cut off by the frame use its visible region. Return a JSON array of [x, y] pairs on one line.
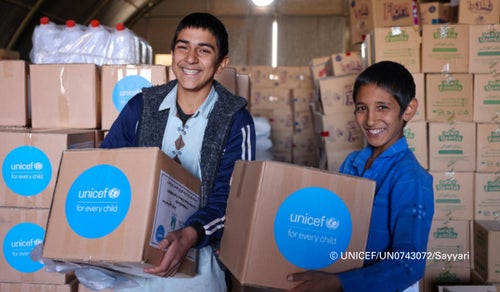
[[70, 23], [120, 26], [94, 23], [44, 20]]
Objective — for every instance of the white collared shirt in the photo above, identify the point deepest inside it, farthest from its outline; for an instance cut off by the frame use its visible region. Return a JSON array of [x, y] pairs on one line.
[[192, 132]]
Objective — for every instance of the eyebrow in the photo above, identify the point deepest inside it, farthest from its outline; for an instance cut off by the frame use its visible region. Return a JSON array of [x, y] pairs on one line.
[[199, 44]]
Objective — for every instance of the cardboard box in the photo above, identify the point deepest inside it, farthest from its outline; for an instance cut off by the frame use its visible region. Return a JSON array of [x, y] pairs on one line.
[[486, 98], [25, 287], [419, 79], [346, 63], [279, 119], [449, 244], [244, 86], [484, 48], [361, 20], [452, 147], [486, 196], [453, 195], [320, 67], [365, 15], [119, 83], [476, 279], [275, 213], [108, 214], [30, 159], [6, 54], [339, 131], [271, 98], [399, 44], [445, 48], [435, 277], [332, 160], [449, 98], [21, 229], [417, 138], [434, 13], [488, 148], [335, 94], [302, 99], [14, 97], [65, 96], [486, 254], [467, 288], [479, 12]]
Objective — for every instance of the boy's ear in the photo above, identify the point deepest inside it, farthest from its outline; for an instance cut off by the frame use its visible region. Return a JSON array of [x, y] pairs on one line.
[[410, 110], [222, 64]]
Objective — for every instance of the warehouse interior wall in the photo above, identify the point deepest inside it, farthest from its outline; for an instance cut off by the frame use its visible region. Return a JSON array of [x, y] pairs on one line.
[[306, 29]]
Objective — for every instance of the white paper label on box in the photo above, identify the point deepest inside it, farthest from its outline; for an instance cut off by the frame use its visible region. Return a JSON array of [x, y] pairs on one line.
[[26, 170], [126, 88], [175, 204], [18, 243], [312, 228], [98, 201]]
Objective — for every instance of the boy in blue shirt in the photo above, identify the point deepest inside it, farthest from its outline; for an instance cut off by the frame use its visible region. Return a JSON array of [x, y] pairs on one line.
[[384, 97]]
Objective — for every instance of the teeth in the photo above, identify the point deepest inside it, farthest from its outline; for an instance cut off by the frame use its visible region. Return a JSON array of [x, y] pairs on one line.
[[375, 131], [187, 71]]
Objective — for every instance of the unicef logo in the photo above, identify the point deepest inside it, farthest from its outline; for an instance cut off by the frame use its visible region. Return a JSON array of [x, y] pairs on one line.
[[114, 193], [38, 166], [332, 223], [306, 221]]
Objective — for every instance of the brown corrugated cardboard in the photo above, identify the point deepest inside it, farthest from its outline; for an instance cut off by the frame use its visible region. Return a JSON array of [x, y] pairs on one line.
[[6, 54], [445, 48], [21, 229], [419, 79], [119, 83], [243, 85], [30, 158], [478, 12], [486, 196], [65, 96], [346, 63], [25, 287], [103, 212], [449, 97], [452, 147], [453, 199], [486, 98], [399, 44], [271, 98], [365, 15], [14, 97], [335, 94], [484, 48], [280, 220], [486, 253], [445, 276], [434, 12], [417, 138], [488, 148], [449, 244], [339, 131]]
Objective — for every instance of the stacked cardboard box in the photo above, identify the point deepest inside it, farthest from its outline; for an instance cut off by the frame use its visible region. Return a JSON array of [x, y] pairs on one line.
[[282, 96], [335, 129]]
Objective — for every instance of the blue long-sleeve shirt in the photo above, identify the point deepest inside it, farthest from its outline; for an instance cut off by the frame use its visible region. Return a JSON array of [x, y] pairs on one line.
[[400, 221]]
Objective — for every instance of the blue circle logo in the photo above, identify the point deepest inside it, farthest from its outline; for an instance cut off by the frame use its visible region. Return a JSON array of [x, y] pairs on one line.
[[126, 88], [312, 227], [18, 243], [26, 170], [98, 201], [160, 233]]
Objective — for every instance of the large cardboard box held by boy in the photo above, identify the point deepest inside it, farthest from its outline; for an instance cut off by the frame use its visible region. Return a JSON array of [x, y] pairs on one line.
[[283, 218], [112, 207]]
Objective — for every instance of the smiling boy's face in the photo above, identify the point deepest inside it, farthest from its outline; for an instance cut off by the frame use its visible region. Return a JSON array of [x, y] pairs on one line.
[[378, 115]]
